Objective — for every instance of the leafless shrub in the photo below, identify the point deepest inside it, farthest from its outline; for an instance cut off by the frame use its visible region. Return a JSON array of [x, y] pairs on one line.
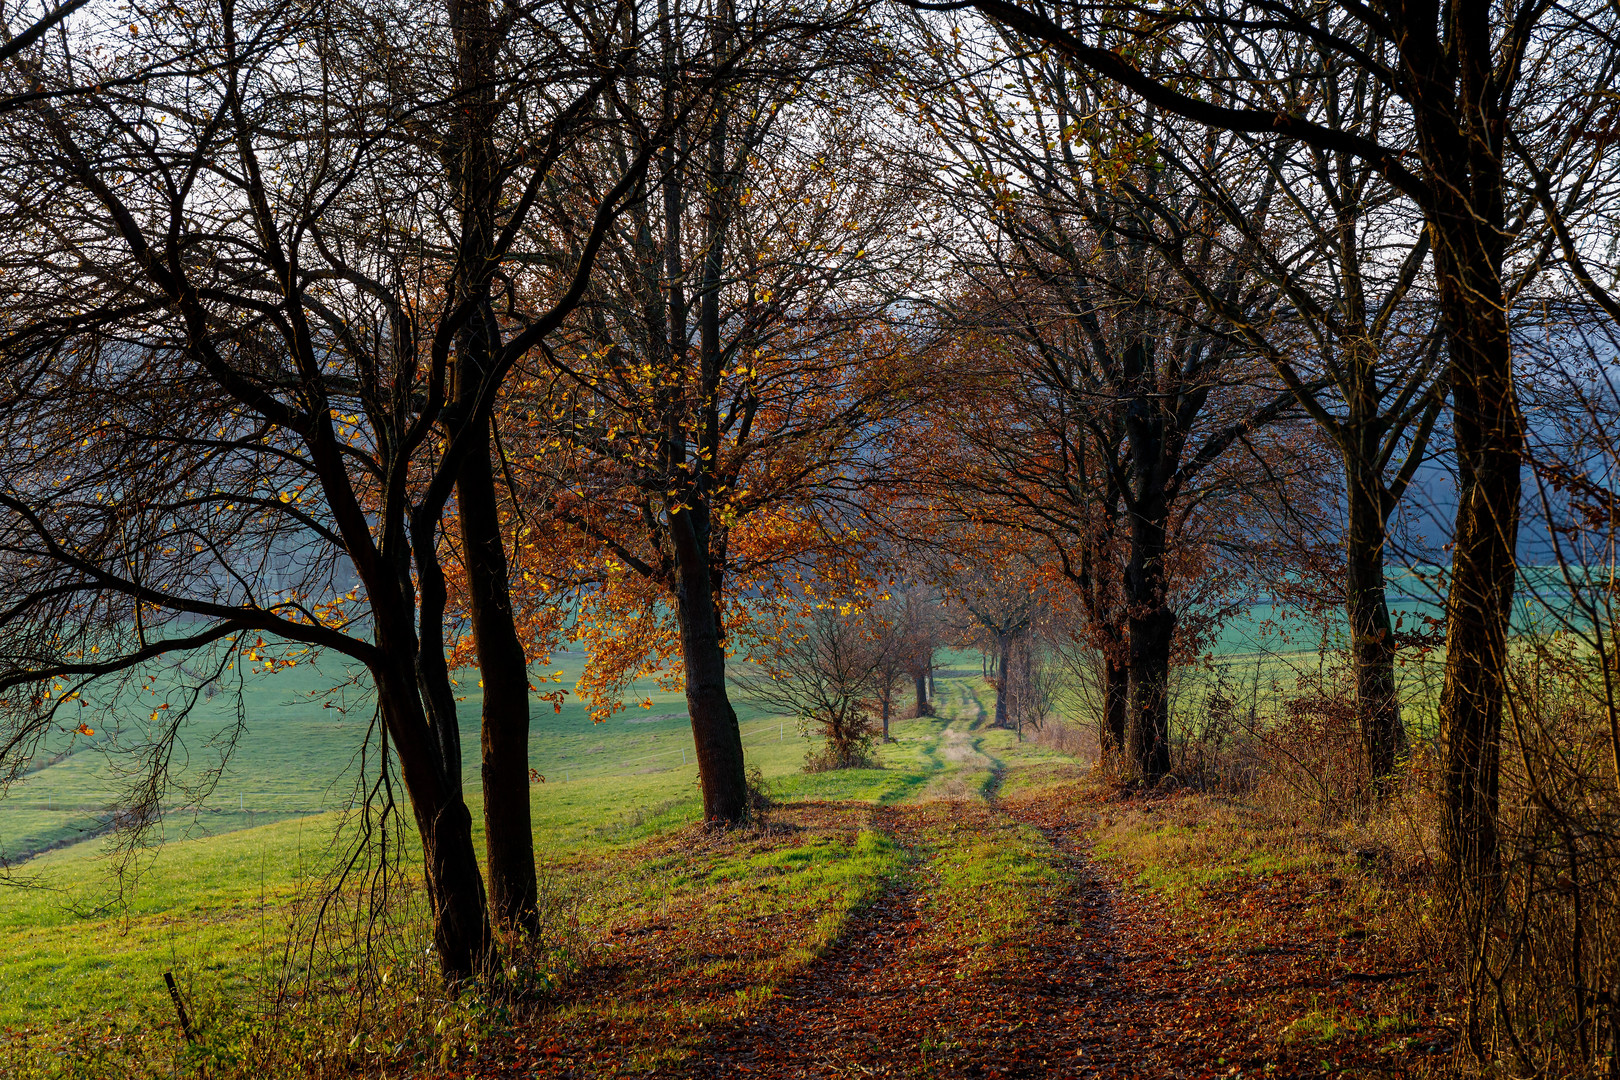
[[1314, 745], [1542, 963], [760, 796], [823, 670]]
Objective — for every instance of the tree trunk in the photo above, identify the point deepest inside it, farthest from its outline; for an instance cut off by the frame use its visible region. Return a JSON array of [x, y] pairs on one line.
[[455, 888], [1155, 433], [716, 738], [1149, 729], [888, 696], [460, 925], [1489, 439], [1151, 625], [1461, 133], [1003, 646], [504, 733], [921, 688], [1116, 708], [1372, 636], [472, 164], [1026, 679], [715, 735]]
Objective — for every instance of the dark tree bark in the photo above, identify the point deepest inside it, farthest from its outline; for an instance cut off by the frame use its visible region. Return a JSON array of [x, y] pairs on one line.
[[504, 730], [473, 165], [1026, 683], [455, 887], [1116, 707], [1151, 623], [714, 722], [715, 735], [1372, 633], [1490, 438], [921, 690]]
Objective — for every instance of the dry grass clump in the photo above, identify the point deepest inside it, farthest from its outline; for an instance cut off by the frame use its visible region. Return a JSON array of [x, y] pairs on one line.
[[1533, 969], [1542, 957], [1075, 740]]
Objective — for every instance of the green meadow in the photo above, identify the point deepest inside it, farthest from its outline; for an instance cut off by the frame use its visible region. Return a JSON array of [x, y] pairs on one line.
[[213, 896], [249, 837]]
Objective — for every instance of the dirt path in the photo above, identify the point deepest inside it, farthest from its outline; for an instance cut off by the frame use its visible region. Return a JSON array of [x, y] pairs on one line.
[[970, 775], [1082, 975], [890, 999], [1098, 984], [1088, 994]]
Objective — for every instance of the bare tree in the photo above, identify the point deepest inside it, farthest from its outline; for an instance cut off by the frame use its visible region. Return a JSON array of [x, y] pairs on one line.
[[13, 42], [906, 626], [1491, 118], [825, 670], [238, 398], [1117, 407], [923, 626]]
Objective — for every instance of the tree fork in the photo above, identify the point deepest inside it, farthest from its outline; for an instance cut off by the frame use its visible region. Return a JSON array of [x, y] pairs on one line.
[[455, 887]]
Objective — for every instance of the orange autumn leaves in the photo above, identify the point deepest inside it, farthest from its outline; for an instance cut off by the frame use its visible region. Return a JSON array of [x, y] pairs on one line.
[[589, 559]]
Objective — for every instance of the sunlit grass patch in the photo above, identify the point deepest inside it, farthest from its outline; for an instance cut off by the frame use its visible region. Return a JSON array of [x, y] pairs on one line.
[[1188, 846], [1325, 1025], [991, 878], [682, 927], [714, 924]]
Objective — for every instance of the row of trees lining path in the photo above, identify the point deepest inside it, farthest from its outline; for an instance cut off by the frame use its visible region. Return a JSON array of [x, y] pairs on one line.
[[285, 277], [1471, 88]]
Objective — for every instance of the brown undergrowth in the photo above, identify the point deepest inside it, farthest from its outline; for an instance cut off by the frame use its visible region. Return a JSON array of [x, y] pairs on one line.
[[1295, 948]]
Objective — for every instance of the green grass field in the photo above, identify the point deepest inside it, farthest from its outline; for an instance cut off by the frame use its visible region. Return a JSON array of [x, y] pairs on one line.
[[298, 751], [215, 896]]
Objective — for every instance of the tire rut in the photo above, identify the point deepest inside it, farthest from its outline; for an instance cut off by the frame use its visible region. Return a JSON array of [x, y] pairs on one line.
[[1102, 986], [889, 1000]]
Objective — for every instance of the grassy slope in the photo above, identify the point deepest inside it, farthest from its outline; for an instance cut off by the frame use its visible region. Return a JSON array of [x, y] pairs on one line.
[[219, 903], [295, 755]]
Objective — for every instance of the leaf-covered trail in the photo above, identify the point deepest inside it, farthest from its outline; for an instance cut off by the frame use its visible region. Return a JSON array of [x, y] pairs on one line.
[[994, 948], [896, 998], [972, 934], [1093, 982]]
